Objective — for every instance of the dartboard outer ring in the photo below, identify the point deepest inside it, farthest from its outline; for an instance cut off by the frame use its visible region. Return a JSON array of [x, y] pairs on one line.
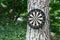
[[43, 21]]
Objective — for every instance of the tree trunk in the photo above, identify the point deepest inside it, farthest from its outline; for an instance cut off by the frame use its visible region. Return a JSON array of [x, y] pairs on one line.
[[39, 34]]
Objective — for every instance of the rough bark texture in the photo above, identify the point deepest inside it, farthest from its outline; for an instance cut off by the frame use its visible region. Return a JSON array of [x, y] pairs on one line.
[[39, 34]]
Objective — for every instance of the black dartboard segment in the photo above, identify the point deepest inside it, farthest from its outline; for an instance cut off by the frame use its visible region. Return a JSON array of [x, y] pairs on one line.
[[36, 18]]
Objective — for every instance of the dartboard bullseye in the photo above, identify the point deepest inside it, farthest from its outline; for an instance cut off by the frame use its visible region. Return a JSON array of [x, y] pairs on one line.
[[36, 18]]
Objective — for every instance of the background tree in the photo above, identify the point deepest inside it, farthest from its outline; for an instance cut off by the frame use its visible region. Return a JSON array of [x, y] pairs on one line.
[[39, 34]]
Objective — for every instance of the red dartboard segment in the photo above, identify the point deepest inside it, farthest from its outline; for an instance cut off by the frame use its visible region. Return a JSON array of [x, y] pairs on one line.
[[36, 18]]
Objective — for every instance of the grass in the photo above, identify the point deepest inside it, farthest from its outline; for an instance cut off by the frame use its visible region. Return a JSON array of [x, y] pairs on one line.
[[13, 32]]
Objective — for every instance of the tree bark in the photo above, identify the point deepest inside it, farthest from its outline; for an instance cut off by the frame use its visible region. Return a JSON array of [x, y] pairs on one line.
[[39, 34]]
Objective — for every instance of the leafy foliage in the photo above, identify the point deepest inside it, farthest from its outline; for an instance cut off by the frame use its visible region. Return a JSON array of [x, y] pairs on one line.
[[13, 19], [55, 18]]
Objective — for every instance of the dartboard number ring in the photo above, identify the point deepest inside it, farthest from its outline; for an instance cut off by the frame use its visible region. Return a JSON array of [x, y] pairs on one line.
[[36, 18]]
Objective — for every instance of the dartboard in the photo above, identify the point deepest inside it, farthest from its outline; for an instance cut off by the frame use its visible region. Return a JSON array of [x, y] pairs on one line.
[[36, 18]]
